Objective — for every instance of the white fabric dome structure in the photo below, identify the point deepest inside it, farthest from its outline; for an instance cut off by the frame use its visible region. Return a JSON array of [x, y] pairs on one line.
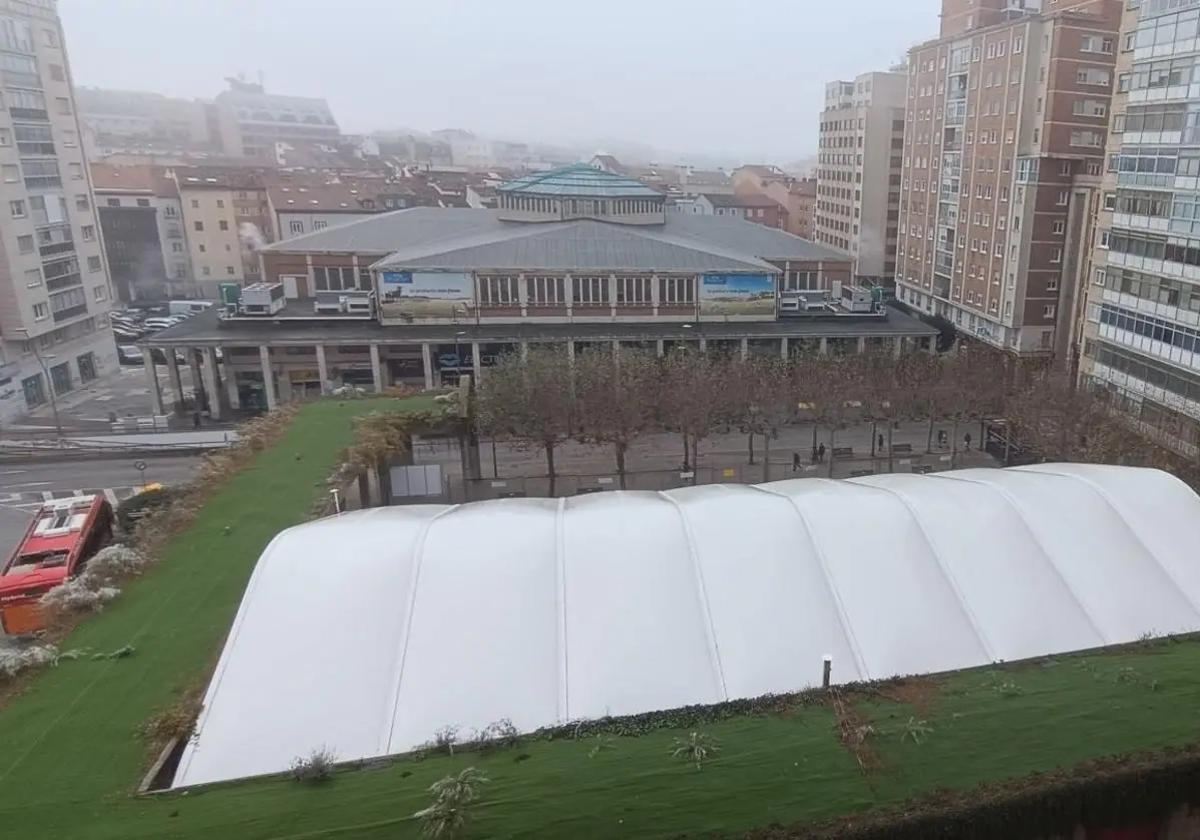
[[367, 632]]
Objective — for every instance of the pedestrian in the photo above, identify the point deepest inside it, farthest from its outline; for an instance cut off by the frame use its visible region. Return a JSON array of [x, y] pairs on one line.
[[814, 456], [821, 454], [942, 438], [795, 461], [967, 440], [195, 419], [881, 443]]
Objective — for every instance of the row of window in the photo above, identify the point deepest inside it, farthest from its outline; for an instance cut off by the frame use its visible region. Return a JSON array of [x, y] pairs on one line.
[[1150, 248], [1160, 290], [503, 290], [1154, 374], [1185, 338]]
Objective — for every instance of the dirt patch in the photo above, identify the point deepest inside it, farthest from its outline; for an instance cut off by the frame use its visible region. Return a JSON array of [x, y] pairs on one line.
[[918, 692], [855, 731]]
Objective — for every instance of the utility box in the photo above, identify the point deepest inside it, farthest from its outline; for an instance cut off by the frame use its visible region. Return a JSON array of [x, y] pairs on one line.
[[263, 299]]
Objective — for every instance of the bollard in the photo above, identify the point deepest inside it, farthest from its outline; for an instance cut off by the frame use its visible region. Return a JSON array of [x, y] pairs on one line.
[[828, 660]]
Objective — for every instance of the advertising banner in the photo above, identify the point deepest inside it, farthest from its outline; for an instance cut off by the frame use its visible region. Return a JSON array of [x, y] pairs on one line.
[[413, 296], [737, 295]]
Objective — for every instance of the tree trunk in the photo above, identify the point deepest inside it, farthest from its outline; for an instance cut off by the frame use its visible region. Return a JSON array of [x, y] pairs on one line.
[[874, 434], [814, 446], [766, 457], [549, 444], [695, 454], [750, 438], [929, 437], [364, 490], [954, 443], [891, 458], [832, 443], [620, 446], [686, 462]]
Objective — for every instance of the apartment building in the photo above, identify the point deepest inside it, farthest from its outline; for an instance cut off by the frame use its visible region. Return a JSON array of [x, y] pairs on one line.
[[251, 121], [858, 175], [134, 122], [227, 221], [1140, 337], [751, 207], [141, 221], [1003, 151], [797, 196], [54, 288]]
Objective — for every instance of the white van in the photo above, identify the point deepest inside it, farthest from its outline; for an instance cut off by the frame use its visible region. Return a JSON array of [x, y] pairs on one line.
[[187, 308]]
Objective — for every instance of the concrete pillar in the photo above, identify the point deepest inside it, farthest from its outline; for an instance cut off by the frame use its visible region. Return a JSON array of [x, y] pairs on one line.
[[897, 347], [660, 348], [197, 380], [783, 348], [476, 362], [427, 359], [616, 345], [571, 351], [156, 400], [862, 344], [376, 369], [745, 348], [174, 379], [323, 369], [933, 345], [524, 350], [212, 383], [824, 346], [264, 356], [231, 388], [703, 345]]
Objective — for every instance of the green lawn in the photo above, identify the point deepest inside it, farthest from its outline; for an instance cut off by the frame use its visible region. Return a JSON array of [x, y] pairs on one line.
[[70, 756]]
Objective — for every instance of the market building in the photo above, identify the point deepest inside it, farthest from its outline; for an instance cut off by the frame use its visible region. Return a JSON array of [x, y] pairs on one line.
[[575, 257]]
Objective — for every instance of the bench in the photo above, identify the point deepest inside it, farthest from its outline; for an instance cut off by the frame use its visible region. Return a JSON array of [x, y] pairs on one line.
[[843, 452], [902, 449]]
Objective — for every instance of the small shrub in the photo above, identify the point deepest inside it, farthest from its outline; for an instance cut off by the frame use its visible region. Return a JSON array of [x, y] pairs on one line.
[[445, 739], [502, 733], [137, 507], [94, 586], [318, 767], [916, 730], [696, 748], [447, 816], [15, 660]]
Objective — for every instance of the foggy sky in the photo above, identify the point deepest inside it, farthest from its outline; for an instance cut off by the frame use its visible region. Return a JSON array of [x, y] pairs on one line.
[[743, 80]]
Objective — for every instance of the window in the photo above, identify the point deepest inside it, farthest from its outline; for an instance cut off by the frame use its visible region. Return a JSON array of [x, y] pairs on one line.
[[1110, 201], [62, 105], [112, 202], [1095, 44], [1049, 311], [88, 232], [229, 270], [296, 226], [546, 291], [25, 244], [590, 291], [320, 224], [169, 211], [1056, 255], [498, 291], [195, 204], [5, 137], [100, 293], [11, 173], [17, 208], [1089, 108], [177, 247], [70, 138], [1018, 43], [223, 225], [633, 291], [202, 248], [1063, 197], [1092, 76], [33, 278], [221, 203], [337, 279], [1091, 139], [93, 264], [199, 226], [76, 171], [49, 37], [205, 270], [1059, 227], [81, 202], [143, 202], [57, 73], [41, 312]]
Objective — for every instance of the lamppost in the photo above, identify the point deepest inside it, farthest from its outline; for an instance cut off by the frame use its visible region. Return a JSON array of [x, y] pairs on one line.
[[49, 382]]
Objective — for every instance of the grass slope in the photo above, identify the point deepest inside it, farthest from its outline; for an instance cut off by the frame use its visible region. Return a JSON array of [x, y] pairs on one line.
[[69, 756]]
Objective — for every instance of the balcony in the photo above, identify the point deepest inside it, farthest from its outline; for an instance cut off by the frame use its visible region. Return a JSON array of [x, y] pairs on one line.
[[37, 182], [65, 282], [57, 248], [29, 114], [36, 148], [941, 287], [70, 312]]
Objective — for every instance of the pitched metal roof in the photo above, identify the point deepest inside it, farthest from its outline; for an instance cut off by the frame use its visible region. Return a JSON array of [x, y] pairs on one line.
[[580, 180], [435, 237]]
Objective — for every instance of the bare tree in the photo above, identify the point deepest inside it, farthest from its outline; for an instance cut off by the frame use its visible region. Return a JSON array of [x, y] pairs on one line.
[[758, 401], [688, 400], [615, 398], [530, 399]]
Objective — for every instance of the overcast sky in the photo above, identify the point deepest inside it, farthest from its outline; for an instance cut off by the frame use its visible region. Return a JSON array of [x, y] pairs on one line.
[[738, 79]]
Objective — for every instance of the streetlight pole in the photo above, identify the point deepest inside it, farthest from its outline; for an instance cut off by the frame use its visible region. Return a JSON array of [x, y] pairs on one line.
[[49, 383]]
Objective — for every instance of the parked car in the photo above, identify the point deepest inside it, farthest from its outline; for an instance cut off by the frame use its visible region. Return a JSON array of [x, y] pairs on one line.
[[128, 354], [163, 322]]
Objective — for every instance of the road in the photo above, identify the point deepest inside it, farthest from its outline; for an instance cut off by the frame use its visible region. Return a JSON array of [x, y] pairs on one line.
[[23, 487]]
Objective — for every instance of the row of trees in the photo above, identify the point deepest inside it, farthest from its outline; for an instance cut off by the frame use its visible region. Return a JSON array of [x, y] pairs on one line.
[[545, 398]]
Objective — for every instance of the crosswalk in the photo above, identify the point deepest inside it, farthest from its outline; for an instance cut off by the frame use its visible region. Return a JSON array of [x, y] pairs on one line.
[[31, 500]]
